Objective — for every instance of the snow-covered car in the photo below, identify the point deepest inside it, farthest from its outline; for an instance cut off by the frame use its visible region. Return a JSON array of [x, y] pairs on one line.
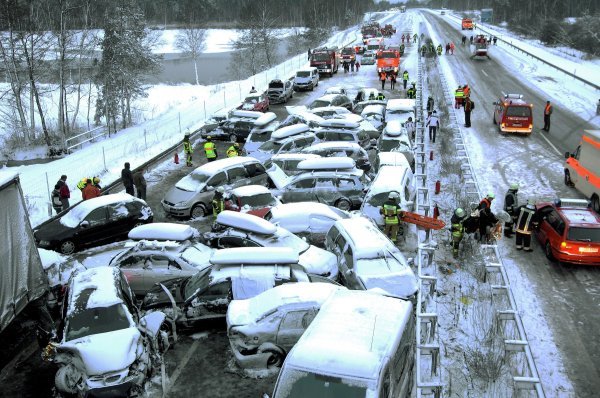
[[255, 102], [93, 222], [344, 130], [398, 179], [368, 58], [341, 149], [300, 114], [285, 139], [104, 346], [280, 91], [58, 269], [235, 274], [332, 100], [236, 127], [336, 90], [163, 231], [400, 109], [308, 220], [263, 329], [369, 260], [306, 79], [233, 229], [213, 122], [260, 133], [391, 159], [330, 112], [288, 162], [256, 200], [375, 114], [360, 105], [150, 262]]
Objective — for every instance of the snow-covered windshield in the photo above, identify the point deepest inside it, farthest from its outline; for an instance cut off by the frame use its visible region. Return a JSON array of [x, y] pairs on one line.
[[192, 182], [296, 383], [259, 137], [518, 111], [197, 282], [319, 104], [584, 234], [96, 320], [261, 200], [74, 217], [284, 238]]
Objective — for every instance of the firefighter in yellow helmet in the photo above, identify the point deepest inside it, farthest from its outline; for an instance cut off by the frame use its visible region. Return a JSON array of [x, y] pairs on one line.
[[210, 149], [188, 149], [391, 213], [233, 150]]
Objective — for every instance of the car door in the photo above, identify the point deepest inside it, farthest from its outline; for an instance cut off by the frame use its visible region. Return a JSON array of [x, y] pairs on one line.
[[325, 190], [256, 174], [95, 227], [299, 191], [132, 268], [211, 302], [159, 268], [550, 226], [123, 217], [293, 325]]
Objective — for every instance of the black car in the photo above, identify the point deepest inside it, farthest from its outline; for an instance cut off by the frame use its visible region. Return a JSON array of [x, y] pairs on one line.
[[234, 130], [332, 100], [93, 222]]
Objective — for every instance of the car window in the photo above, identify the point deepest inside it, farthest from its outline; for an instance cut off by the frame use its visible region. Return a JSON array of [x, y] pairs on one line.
[[217, 180], [348, 257], [297, 320], [346, 183], [117, 211], [235, 174], [255, 169], [286, 147], [325, 183], [304, 184], [221, 289], [230, 241], [346, 137], [97, 216], [157, 262], [132, 262], [554, 220]]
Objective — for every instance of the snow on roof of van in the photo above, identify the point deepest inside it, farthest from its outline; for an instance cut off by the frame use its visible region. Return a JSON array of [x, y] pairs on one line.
[[265, 118], [289, 131], [352, 334], [333, 163], [247, 222], [255, 255], [332, 145], [337, 109], [219, 165], [380, 109], [300, 212], [250, 190], [400, 104], [294, 156], [163, 231], [339, 123], [101, 280], [392, 159], [243, 312], [370, 242], [246, 114], [388, 178]]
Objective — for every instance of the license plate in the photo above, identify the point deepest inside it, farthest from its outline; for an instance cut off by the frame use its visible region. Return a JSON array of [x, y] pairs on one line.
[[588, 250], [517, 124]]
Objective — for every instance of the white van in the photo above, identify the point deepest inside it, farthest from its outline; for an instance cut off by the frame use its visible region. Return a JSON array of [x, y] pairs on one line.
[[258, 140], [360, 344], [400, 109], [389, 179], [392, 159], [367, 259], [306, 79]]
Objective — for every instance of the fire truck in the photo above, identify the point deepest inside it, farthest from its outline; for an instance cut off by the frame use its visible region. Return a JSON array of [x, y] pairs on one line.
[[467, 24], [348, 54], [369, 31], [374, 44], [325, 60], [388, 61], [513, 115], [582, 168], [480, 47], [388, 30]]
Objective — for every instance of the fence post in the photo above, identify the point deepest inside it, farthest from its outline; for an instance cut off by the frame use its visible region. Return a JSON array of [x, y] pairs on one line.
[[104, 159], [49, 196], [145, 141], [205, 110], [240, 90]]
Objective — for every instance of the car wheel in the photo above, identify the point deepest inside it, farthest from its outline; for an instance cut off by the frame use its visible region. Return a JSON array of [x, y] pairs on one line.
[[596, 204], [67, 247], [343, 204], [198, 211], [275, 359], [232, 137], [568, 181], [548, 251], [494, 118]]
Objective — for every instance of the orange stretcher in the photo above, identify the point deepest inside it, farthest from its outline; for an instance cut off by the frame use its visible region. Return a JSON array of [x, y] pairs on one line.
[[422, 221]]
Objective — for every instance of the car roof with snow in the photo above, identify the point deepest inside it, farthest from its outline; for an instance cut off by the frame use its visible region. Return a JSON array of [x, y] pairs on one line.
[[306, 69], [265, 119], [255, 255], [325, 109], [289, 131], [388, 179], [219, 165], [394, 128], [94, 288], [368, 239], [380, 109], [246, 222], [83, 208], [163, 231], [245, 114], [250, 190], [339, 124], [327, 145], [401, 104], [253, 309], [325, 174], [330, 163], [303, 210], [294, 156], [336, 89], [352, 335], [328, 97]]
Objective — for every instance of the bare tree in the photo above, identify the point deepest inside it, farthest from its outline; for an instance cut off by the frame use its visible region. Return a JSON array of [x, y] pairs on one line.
[[192, 43]]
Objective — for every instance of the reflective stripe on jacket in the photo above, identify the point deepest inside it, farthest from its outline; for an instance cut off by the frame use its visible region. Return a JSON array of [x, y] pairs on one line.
[[209, 148], [523, 225], [231, 151], [187, 147], [390, 214]]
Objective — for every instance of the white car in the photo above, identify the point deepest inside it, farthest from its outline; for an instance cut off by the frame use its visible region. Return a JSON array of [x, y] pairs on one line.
[[400, 109], [263, 329], [308, 220], [336, 90], [368, 58], [375, 114]]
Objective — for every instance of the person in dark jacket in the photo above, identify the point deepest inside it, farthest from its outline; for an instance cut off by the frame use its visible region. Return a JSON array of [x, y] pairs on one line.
[[469, 105], [511, 204], [430, 104], [127, 178], [64, 192], [487, 218], [140, 183], [457, 229], [56, 202], [526, 221]]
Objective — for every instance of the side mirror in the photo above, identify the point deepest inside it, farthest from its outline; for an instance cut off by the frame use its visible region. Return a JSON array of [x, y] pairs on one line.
[[85, 224], [209, 188], [567, 155], [349, 272]]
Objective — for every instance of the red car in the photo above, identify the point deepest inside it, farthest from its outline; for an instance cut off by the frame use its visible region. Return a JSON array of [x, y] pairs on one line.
[[569, 230], [255, 102]]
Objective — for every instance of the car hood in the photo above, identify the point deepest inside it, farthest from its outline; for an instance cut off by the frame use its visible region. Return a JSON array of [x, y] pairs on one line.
[[176, 195], [53, 230], [278, 176], [238, 313], [302, 79], [401, 284], [106, 352], [319, 261]]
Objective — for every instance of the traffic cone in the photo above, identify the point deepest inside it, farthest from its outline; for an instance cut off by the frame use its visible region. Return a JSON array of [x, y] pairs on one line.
[[176, 158], [438, 186]]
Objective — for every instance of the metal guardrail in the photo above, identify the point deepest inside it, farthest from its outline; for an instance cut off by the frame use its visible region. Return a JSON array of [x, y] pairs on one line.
[[89, 132]]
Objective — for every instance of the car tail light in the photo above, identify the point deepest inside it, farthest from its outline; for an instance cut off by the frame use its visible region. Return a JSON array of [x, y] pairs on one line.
[[530, 126], [502, 125]]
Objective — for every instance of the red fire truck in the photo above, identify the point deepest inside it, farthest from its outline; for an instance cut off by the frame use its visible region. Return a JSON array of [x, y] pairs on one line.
[[325, 60]]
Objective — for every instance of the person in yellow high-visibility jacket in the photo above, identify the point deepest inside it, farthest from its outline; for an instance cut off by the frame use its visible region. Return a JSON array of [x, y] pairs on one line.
[[188, 149], [210, 150], [233, 150], [391, 213], [459, 96]]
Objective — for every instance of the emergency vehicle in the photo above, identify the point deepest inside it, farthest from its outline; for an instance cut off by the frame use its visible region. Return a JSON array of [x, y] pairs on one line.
[[480, 47], [325, 60], [348, 54], [582, 168], [467, 24], [374, 44], [388, 61], [512, 114]]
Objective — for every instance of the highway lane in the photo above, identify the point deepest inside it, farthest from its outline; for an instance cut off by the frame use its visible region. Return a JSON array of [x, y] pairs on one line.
[[568, 294]]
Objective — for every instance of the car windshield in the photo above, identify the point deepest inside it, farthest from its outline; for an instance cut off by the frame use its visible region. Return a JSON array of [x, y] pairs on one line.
[[387, 54], [583, 234], [96, 320], [388, 145], [303, 73], [197, 282], [259, 137], [284, 238], [348, 51], [296, 383], [192, 181], [378, 200], [270, 146], [319, 104], [518, 111], [263, 199]]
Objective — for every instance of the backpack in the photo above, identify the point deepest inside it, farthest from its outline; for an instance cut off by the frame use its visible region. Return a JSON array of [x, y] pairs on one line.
[[56, 198]]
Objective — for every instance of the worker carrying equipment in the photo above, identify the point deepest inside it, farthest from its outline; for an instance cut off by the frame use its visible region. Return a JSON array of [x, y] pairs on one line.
[[391, 211]]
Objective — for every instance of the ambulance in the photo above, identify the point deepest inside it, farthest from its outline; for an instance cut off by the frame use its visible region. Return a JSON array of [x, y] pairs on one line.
[[513, 114], [582, 168]]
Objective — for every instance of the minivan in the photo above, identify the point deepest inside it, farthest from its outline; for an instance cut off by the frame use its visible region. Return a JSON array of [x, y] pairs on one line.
[[367, 259], [306, 79], [360, 344], [261, 132], [192, 195], [341, 149], [294, 143]]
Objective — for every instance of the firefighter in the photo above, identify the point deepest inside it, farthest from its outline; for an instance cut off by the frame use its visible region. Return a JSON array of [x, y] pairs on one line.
[[233, 150], [405, 79], [547, 113], [526, 221], [511, 203], [210, 149], [218, 201], [82, 183], [415, 37], [380, 97], [459, 95], [188, 149], [432, 48], [439, 49], [402, 48], [391, 213], [90, 190], [457, 229], [486, 217], [411, 92], [430, 104], [464, 40], [466, 90], [451, 48], [382, 77], [423, 50]]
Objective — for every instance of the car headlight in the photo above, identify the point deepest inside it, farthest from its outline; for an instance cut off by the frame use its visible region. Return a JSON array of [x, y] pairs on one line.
[[179, 204]]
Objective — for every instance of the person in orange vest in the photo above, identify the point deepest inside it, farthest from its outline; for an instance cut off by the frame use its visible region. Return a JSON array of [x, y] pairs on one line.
[[466, 90], [547, 113], [382, 77], [90, 191]]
